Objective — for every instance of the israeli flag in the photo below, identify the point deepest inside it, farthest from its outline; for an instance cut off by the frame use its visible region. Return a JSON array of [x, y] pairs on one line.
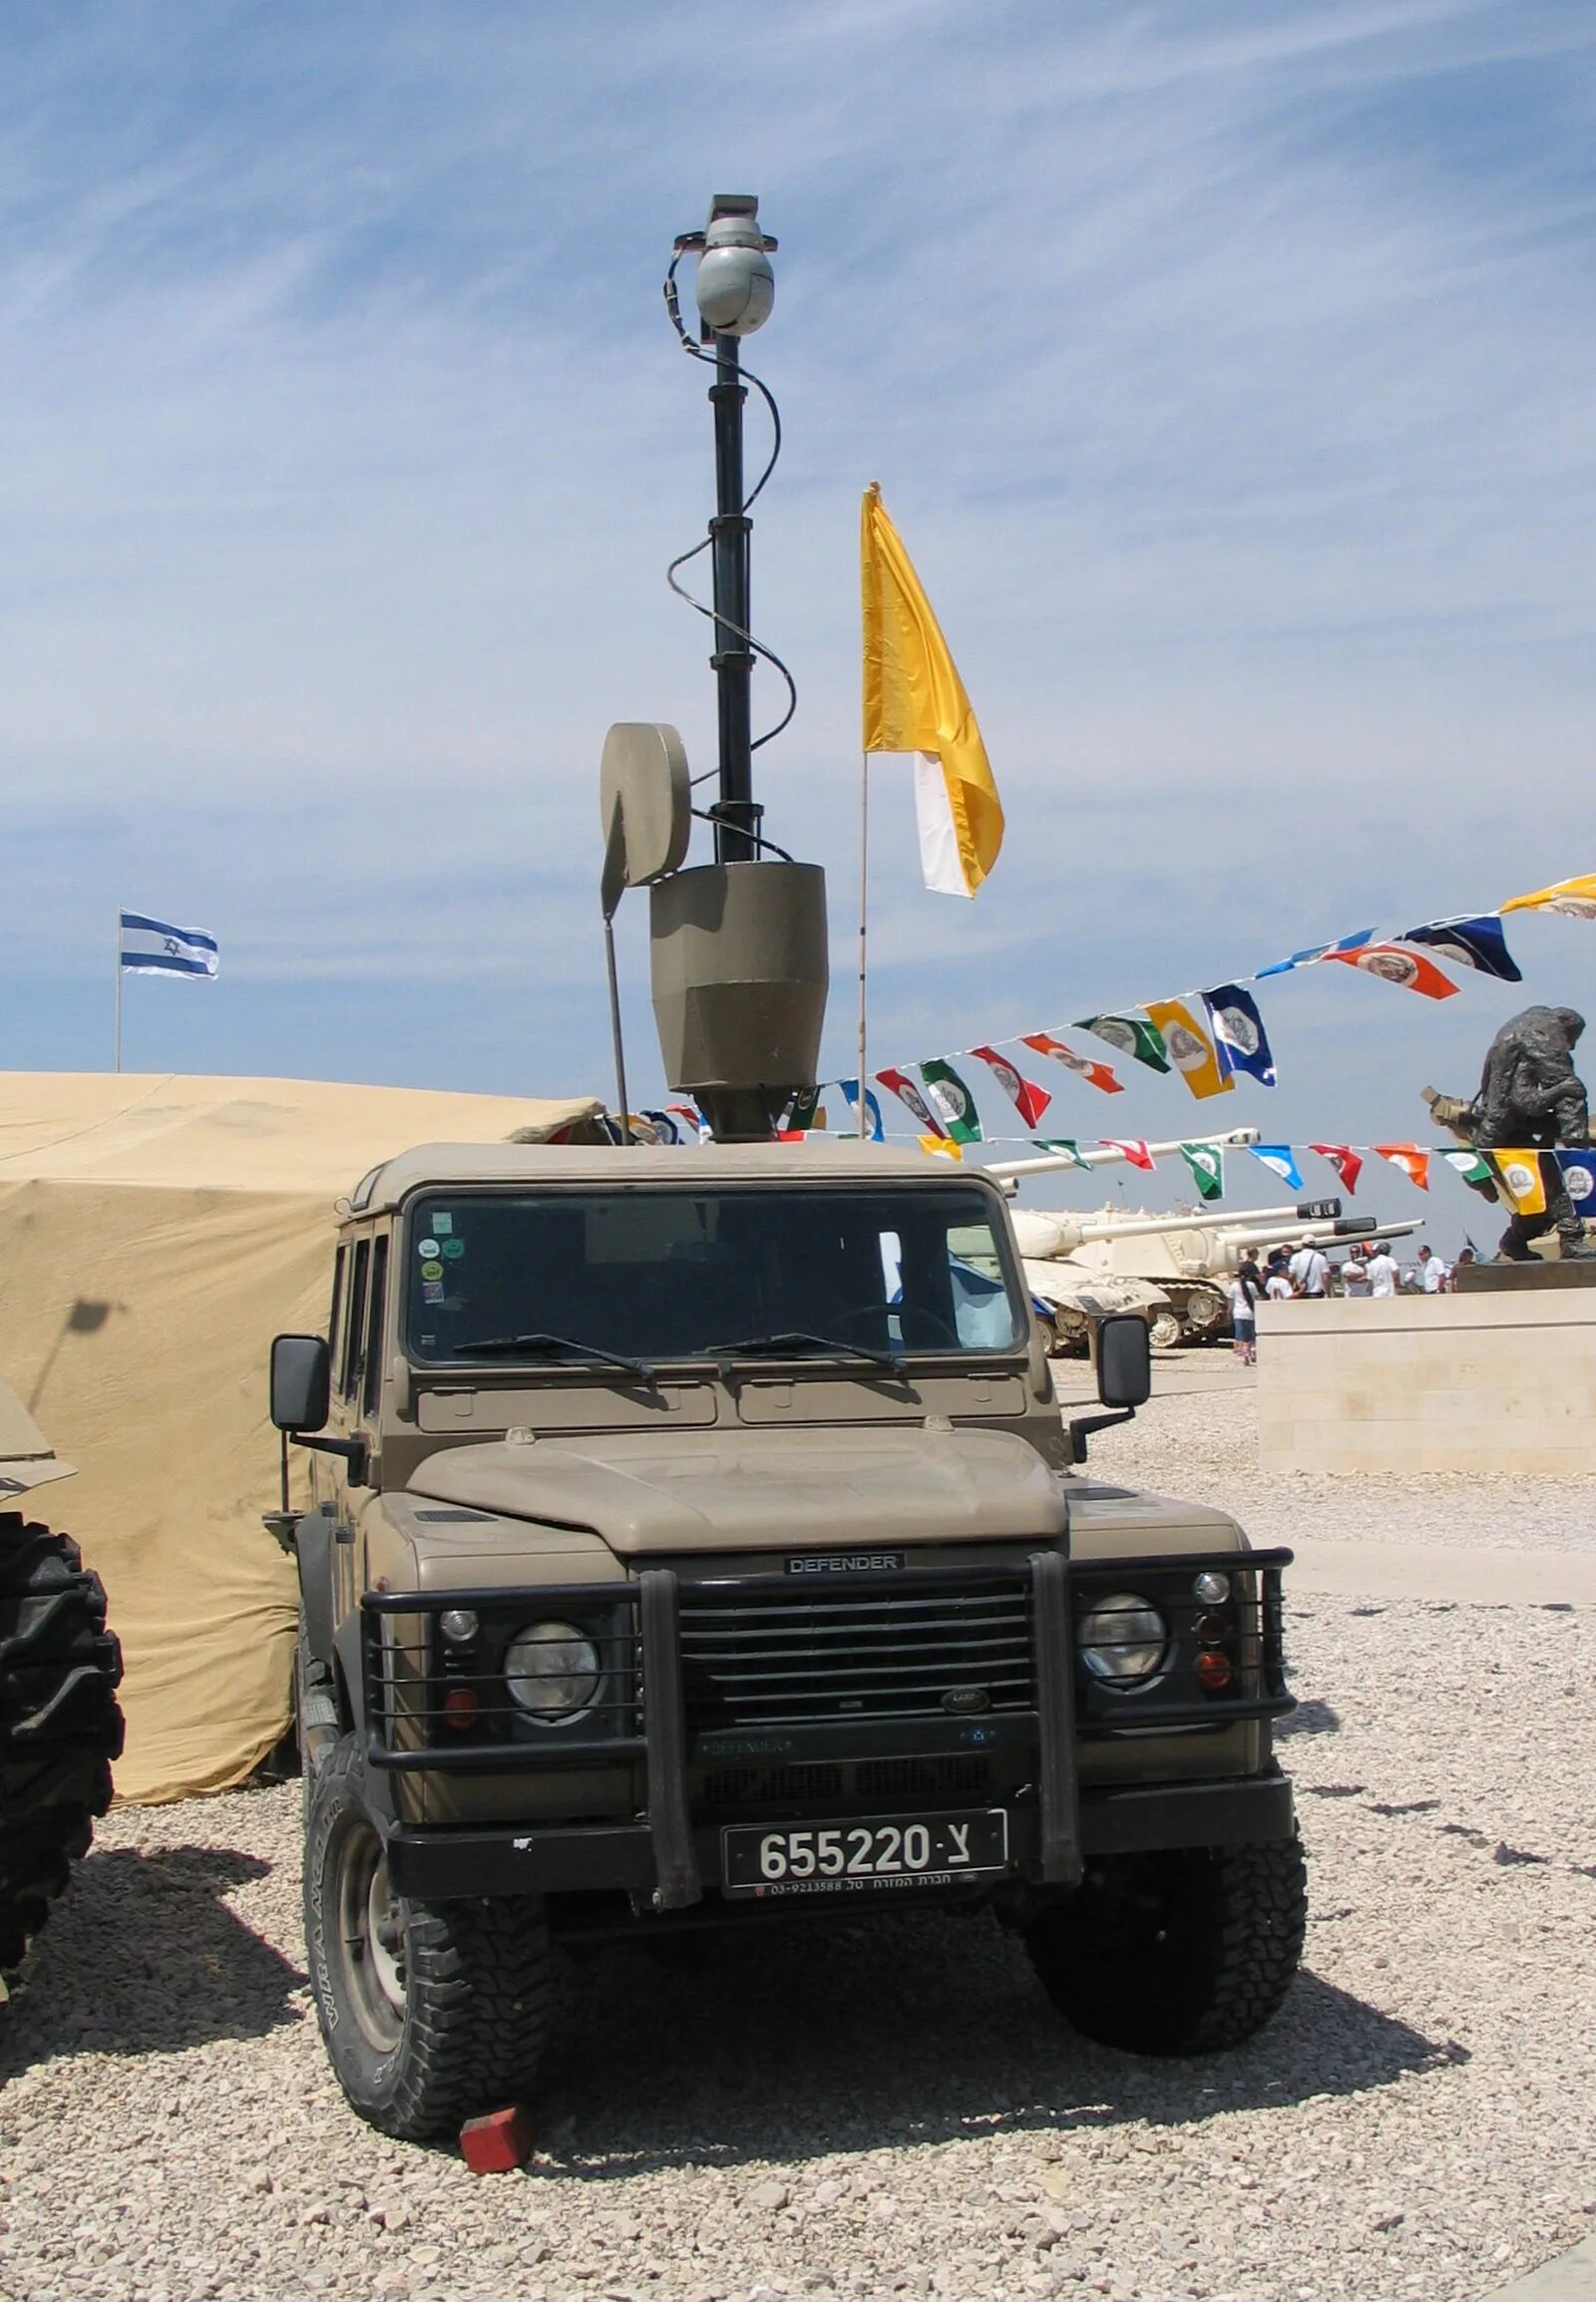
[[152, 947]]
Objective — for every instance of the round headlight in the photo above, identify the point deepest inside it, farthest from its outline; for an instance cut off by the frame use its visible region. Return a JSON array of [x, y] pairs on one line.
[[552, 1669], [1122, 1639]]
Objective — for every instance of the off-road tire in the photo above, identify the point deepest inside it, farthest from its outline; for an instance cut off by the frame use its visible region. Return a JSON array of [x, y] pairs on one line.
[[60, 1725], [475, 1980], [1177, 1952]]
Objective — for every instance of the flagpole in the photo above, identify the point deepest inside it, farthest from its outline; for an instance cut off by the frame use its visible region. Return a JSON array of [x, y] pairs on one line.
[[864, 882], [118, 1064]]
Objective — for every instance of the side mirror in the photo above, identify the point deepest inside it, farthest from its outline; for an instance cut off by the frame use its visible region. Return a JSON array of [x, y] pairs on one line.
[[1124, 1362], [302, 1382]]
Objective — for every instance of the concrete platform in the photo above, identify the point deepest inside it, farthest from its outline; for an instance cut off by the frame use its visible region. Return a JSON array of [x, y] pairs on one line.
[[1522, 1278], [1501, 1383]]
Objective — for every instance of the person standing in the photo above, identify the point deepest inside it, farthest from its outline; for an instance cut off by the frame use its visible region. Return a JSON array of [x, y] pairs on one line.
[[1277, 1286], [1355, 1275], [1381, 1270], [1244, 1291], [1433, 1275], [1309, 1272]]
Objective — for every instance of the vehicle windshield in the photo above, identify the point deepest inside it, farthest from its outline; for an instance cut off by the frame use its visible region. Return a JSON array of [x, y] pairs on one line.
[[660, 1274]]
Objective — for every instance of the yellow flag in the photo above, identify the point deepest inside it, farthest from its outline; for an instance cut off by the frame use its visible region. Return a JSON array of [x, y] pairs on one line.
[[914, 700], [1191, 1050], [1575, 897], [1523, 1178]]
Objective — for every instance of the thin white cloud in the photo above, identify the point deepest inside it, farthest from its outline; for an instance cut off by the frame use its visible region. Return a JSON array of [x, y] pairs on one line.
[[1227, 370]]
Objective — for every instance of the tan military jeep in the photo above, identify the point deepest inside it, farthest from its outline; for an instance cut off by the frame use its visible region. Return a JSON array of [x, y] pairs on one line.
[[696, 1542]]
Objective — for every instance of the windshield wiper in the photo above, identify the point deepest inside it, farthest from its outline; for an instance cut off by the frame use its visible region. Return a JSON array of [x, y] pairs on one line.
[[547, 1346], [796, 1341]]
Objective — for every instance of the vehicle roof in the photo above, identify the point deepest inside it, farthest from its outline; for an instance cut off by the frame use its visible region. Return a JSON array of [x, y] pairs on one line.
[[834, 1160]]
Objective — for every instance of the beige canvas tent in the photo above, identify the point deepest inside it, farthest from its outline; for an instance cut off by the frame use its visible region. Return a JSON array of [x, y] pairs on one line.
[[154, 1234]]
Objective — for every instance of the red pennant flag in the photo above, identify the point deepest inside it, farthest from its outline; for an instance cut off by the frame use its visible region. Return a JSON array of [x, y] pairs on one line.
[[1101, 1074], [1394, 965], [1135, 1151], [1344, 1159], [1030, 1101], [909, 1096], [1411, 1158]]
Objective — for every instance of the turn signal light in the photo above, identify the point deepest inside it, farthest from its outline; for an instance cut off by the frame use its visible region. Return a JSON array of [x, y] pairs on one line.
[[1213, 1671], [460, 1708]]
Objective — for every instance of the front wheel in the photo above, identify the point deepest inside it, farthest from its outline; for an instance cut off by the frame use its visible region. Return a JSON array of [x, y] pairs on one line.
[[1177, 1952], [431, 2012]]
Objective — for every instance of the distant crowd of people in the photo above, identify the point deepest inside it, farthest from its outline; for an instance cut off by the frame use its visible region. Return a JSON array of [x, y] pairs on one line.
[[1367, 1270]]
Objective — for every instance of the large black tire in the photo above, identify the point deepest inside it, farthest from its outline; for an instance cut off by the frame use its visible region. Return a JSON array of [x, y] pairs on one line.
[[60, 1725], [432, 2013], [1178, 1952]]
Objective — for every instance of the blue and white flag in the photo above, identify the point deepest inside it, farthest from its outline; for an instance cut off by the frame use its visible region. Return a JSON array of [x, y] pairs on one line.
[[1579, 1180], [152, 947], [850, 1088], [1239, 1032], [1314, 951], [1470, 942], [1278, 1159]]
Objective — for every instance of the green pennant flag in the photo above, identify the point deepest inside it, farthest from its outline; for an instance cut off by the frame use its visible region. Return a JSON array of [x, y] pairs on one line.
[[1207, 1164], [1476, 1171], [1132, 1035], [1063, 1149], [804, 1110], [952, 1101]]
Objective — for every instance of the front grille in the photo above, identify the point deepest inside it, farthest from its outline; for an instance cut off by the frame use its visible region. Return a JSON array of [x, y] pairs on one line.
[[957, 1775], [757, 1657]]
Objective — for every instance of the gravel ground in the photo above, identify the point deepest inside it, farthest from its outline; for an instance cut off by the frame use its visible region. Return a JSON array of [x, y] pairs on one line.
[[1204, 1445], [889, 2108]]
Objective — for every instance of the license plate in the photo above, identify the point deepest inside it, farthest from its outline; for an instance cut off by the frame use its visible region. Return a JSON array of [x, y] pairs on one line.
[[875, 1854]]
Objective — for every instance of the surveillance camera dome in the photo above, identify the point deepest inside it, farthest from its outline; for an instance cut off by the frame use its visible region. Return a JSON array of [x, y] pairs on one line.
[[736, 287]]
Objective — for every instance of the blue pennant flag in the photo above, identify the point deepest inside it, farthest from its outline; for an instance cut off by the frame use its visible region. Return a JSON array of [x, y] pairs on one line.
[[1471, 942], [1579, 1179], [850, 1088], [1278, 1159], [1239, 1032], [1316, 952]]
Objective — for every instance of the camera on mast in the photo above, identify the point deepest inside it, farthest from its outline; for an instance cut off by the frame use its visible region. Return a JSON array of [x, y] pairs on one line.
[[736, 287]]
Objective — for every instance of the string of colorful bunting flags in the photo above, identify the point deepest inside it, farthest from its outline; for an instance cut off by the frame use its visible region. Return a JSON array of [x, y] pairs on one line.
[[1208, 1036]]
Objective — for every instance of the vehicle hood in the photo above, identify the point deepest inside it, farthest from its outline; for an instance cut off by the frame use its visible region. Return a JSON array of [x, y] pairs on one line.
[[755, 1490]]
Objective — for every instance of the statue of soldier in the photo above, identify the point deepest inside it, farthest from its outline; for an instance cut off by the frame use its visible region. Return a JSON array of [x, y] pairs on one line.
[[1531, 1099]]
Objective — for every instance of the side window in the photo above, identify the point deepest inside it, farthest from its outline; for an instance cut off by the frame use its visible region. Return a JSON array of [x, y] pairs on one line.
[[354, 1330], [337, 1304], [372, 1373]]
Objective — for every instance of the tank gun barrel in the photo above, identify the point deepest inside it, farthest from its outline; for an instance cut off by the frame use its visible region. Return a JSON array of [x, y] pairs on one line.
[[1340, 1234], [1053, 1162], [1284, 1221]]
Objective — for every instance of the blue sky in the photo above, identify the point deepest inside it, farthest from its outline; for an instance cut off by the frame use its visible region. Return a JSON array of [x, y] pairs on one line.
[[1229, 372]]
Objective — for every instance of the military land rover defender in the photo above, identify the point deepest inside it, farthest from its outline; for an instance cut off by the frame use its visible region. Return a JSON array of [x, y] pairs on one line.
[[696, 1541]]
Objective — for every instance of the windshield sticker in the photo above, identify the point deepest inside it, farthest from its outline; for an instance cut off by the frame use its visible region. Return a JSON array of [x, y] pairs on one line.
[[443, 1224], [427, 1247], [454, 1249], [431, 1292], [432, 1270]]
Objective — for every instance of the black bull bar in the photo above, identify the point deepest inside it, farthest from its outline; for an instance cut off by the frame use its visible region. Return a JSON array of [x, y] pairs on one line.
[[645, 1713]]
